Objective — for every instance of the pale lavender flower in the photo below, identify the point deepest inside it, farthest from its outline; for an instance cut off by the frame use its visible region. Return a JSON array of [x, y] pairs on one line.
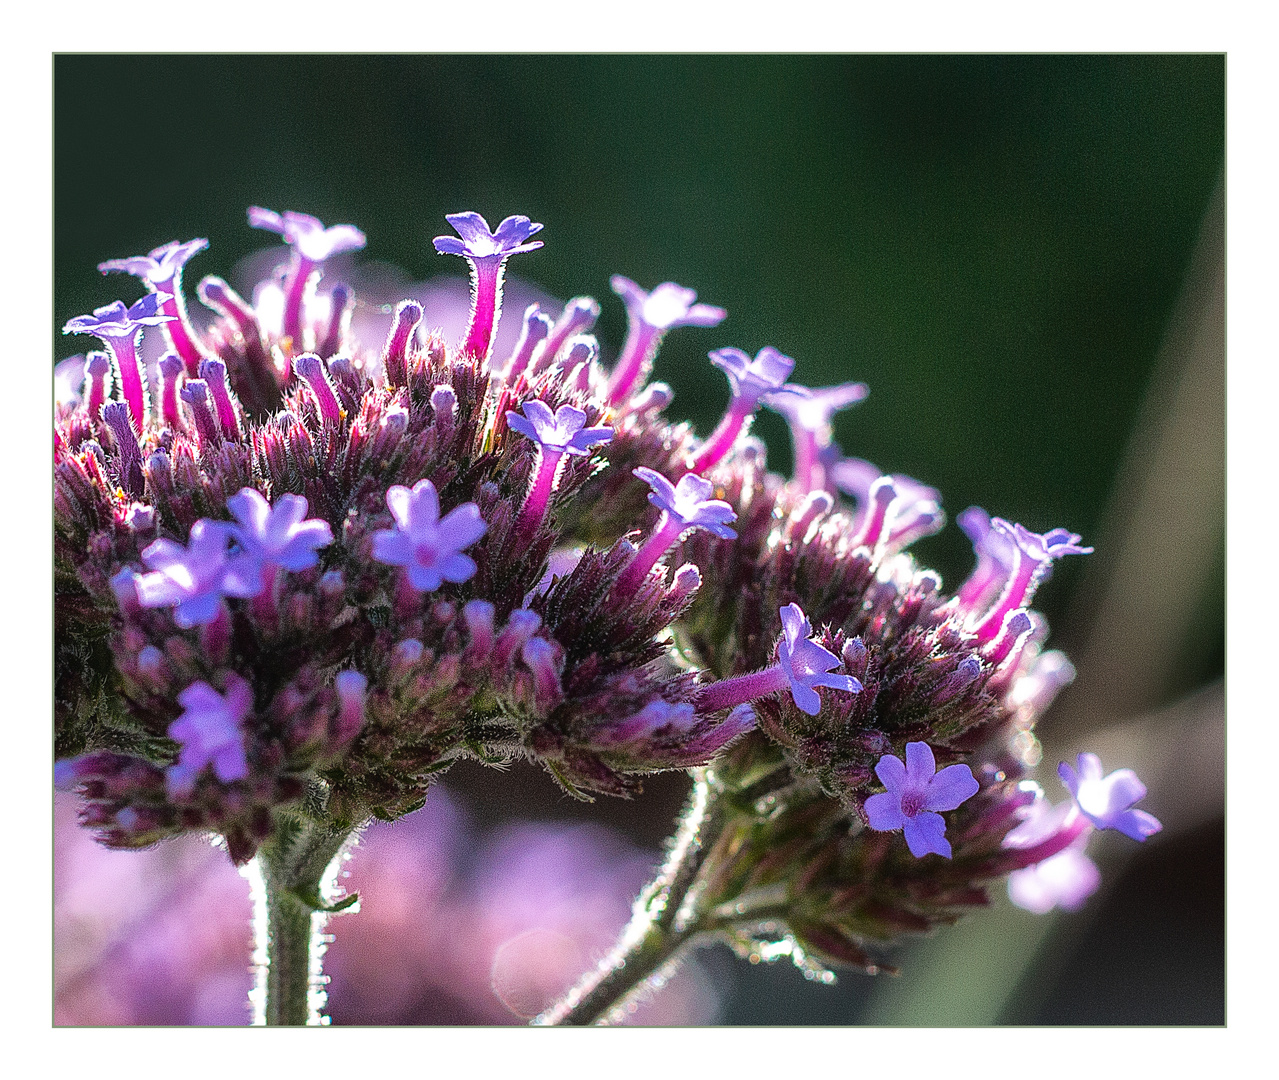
[[649, 316], [307, 234], [749, 380], [806, 664], [1034, 554], [427, 546], [210, 733], [996, 556], [1066, 878], [560, 432], [270, 538], [809, 413], [190, 579], [478, 241], [915, 792], [688, 502], [1107, 801]]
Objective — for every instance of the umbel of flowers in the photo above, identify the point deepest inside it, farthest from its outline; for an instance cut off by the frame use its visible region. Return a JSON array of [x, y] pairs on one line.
[[299, 574]]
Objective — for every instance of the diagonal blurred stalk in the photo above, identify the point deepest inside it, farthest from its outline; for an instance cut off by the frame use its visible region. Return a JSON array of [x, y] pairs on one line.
[[1160, 545]]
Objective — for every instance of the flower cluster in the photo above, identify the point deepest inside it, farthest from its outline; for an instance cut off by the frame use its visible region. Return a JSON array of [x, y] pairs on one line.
[[301, 572]]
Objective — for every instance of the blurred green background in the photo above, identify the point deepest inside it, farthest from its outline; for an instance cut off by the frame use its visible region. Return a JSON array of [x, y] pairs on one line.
[[994, 243]]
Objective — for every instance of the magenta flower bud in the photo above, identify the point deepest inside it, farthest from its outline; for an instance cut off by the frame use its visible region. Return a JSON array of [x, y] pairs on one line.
[[351, 687], [649, 317], [395, 352], [151, 661], [478, 616], [311, 370], [750, 380], [161, 271], [339, 320], [654, 397], [195, 392], [171, 368], [521, 625], [815, 506], [965, 674], [405, 654], [1017, 626], [116, 416], [578, 317], [444, 403], [487, 251], [544, 660], [97, 382], [915, 791], [655, 717], [535, 330], [213, 372], [259, 371], [688, 579], [124, 584]]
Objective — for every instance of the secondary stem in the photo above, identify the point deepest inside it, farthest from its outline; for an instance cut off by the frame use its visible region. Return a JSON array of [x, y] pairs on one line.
[[292, 870], [662, 923]]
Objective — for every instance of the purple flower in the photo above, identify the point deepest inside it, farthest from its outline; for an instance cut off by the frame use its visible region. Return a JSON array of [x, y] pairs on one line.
[[914, 795], [806, 664], [1043, 547], [210, 733], [560, 432], [159, 265], [688, 503], [808, 413], [307, 234], [1107, 801], [1033, 558], [114, 320], [269, 538], [428, 547], [667, 306], [478, 241], [188, 578], [1065, 879], [752, 379]]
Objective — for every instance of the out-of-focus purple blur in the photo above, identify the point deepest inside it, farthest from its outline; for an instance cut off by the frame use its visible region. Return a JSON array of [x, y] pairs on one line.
[[455, 926]]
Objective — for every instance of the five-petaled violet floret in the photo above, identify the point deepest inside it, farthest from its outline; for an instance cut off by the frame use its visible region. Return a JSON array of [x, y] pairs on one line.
[[428, 547], [915, 792], [271, 537], [210, 733]]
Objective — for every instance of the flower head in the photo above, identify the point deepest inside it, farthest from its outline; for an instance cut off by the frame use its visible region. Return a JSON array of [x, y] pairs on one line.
[[427, 546], [669, 305], [271, 537], [688, 502], [478, 241], [210, 732], [115, 320], [752, 379], [307, 234], [806, 664], [1107, 801], [190, 579], [158, 266], [560, 431], [915, 792]]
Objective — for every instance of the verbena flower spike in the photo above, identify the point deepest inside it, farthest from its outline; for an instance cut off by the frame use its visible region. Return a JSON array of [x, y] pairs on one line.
[[322, 569]]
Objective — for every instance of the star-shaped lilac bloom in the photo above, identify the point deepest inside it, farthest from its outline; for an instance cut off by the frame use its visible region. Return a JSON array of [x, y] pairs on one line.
[[560, 431], [806, 664], [271, 537], [752, 379], [114, 321], [688, 502], [1107, 801], [190, 579], [210, 733], [427, 546], [478, 241], [915, 792], [667, 306], [307, 234], [1065, 879], [812, 408], [158, 266], [1042, 547]]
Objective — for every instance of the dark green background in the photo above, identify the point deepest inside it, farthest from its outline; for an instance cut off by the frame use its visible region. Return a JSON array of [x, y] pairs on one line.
[[994, 244]]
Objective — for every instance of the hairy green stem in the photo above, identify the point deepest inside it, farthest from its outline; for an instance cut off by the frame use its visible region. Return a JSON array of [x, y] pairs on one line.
[[293, 877], [664, 922]]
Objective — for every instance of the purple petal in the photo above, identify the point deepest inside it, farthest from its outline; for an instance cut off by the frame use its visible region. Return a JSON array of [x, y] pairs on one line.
[[260, 218], [891, 773], [449, 245], [806, 698], [884, 811], [1137, 824], [794, 623], [392, 547], [927, 832], [704, 315], [920, 763], [587, 438], [950, 787], [463, 525], [517, 423], [841, 682], [457, 568]]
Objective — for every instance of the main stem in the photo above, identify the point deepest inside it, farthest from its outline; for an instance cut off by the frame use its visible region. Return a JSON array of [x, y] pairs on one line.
[[294, 872], [662, 923]]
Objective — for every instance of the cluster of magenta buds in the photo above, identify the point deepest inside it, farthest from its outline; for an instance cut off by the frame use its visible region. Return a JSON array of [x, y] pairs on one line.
[[299, 574]]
